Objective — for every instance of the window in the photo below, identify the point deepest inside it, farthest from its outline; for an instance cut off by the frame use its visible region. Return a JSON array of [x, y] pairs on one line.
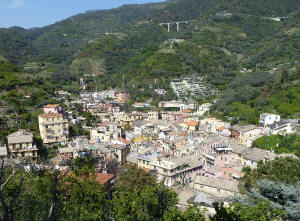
[[230, 175], [23, 154], [224, 172], [218, 190], [33, 153]]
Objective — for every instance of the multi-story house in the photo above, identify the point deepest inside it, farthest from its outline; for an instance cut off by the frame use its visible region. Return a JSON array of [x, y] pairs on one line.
[[144, 160], [267, 119], [216, 186], [130, 118], [20, 145], [242, 133], [53, 126], [176, 170]]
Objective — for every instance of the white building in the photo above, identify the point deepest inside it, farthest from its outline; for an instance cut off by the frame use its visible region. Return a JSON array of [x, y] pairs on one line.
[[268, 119], [160, 91]]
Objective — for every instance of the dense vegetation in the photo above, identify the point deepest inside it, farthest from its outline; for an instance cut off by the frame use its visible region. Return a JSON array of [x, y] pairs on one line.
[[289, 143], [277, 181], [77, 194], [251, 60]]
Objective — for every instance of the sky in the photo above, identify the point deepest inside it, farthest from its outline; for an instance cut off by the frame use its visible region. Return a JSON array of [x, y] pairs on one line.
[[38, 13]]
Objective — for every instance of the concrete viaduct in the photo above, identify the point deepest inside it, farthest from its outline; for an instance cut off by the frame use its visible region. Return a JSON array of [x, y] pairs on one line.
[[175, 22]]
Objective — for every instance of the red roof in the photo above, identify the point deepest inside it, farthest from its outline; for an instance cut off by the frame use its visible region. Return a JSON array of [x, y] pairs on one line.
[[147, 170], [221, 128], [51, 106], [191, 123], [104, 178], [187, 111], [187, 115], [50, 114], [124, 141], [182, 134]]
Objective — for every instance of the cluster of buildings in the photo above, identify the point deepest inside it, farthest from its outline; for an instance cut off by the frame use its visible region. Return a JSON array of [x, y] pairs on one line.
[[199, 157], [115, 95], [189, 86]]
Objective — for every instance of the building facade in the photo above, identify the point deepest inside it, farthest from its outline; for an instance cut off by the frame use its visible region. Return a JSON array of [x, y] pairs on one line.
[[20, 145], [53, 127]]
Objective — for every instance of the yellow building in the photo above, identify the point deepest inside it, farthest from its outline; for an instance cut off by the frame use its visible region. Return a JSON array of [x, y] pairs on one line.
[[129, 118], [145, 160], [20, 145], [53, 128], [142, 138]]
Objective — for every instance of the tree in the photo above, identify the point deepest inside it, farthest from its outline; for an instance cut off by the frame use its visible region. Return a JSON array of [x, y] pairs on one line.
[[84, 198], [285, 77], [147, 203], [278, 170], [8, 201], [192, 213], [127, 127], [239, 212], [129, 177]]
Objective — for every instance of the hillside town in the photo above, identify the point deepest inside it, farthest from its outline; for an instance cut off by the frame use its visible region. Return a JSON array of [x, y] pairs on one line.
[[200, 157]]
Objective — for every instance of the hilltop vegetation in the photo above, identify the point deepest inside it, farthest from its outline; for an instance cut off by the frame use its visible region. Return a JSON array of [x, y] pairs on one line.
[[252, 60]]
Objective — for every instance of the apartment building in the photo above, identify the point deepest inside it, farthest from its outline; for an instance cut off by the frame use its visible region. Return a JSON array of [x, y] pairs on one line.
[[20, 145], [53, 126]]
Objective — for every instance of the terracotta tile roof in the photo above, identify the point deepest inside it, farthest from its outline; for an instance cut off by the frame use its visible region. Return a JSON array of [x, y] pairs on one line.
[[187, 115], [124, 141], [191, 123], [147, 170], [221, 128], [51, 106], [183, 134], [104, 178], [50, 114], [187, 111]]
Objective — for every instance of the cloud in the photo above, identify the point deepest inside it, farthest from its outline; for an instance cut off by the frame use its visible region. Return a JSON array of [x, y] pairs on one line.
[[16, 3]]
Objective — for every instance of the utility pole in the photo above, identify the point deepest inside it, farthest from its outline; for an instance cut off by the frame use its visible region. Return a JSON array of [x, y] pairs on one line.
[[123, 84]]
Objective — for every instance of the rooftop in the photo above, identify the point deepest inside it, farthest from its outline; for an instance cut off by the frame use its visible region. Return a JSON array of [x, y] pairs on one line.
[[148, 156], [191, 123], [51, 106], [50, 114], [104, 178], [21, 136], [217, 183]]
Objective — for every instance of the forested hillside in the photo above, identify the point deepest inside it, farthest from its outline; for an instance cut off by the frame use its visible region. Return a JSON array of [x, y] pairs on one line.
[[237, 47]]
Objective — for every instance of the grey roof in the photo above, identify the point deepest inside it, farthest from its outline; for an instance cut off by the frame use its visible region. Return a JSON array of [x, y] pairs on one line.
[[217, 183], [278, 125], [132, 157], [66, 150], [148, 156], [21, 136], [205, 199], [244, 129], [254, 154]]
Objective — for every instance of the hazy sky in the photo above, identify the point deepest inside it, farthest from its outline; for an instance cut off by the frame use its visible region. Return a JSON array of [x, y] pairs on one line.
[[37, 13]]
